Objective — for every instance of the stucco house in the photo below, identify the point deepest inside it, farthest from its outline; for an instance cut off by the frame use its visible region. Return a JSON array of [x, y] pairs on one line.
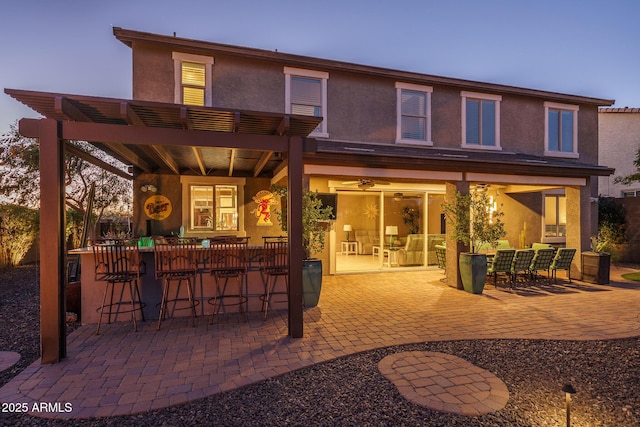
[[388, 140], [619, 136], [210, 127]]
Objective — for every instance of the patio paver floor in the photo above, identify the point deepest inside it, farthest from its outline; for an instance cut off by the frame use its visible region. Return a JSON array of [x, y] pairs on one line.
[[122, 372]]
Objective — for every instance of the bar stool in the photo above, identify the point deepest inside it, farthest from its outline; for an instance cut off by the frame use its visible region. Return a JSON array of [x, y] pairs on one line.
[[118, 263], [228, 260], [275, 265], [176, 262]]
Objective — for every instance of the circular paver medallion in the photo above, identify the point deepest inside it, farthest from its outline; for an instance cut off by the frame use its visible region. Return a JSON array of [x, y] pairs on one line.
[[8, 359], [444, 382]]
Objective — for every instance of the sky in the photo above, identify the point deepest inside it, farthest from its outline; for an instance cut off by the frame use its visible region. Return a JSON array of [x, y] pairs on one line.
[[580, 47]]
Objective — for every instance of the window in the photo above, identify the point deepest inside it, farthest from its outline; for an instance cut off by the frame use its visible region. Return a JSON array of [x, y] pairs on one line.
[[192, 79], [555, 216], [481, 121], [414, 114], [561, 130], [306, 94], [631, 193], [213, 207]]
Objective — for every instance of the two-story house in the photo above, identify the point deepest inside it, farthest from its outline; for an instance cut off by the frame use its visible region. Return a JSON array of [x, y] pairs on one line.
[[389, 142], [204, 132]]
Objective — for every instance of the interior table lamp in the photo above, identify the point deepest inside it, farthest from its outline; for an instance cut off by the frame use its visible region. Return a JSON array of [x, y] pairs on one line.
[[348, 229], [391, 230]]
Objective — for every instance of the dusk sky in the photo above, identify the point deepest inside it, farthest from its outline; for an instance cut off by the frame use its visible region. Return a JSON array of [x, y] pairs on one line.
[[580, 47]]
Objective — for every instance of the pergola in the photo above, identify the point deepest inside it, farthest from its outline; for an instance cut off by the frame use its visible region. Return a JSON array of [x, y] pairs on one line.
[[152, 137]]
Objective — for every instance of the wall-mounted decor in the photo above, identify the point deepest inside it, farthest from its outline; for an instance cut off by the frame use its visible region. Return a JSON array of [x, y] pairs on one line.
[[157, 207], [371, 210], [264, 199]]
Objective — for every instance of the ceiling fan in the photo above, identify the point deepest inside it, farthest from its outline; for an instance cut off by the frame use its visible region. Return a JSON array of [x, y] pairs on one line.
[[366, 183]]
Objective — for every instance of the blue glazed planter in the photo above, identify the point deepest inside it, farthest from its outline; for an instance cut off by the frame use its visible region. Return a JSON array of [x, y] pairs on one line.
[[473, 272], [311, 281]]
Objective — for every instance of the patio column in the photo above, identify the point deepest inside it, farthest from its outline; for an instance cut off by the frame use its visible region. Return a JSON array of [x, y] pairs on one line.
[[53, 343], [578, 224], [294, 218], [454, 248]]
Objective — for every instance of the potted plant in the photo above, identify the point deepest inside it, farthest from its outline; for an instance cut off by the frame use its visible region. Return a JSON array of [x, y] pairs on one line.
[[476, 222], [411, 218], [596, 264], [315, 224]]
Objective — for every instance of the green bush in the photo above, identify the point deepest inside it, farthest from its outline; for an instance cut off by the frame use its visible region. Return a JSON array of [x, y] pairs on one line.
[[19, 227]]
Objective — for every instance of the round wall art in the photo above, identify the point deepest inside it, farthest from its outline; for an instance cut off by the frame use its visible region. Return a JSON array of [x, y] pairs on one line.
[[157, 207]]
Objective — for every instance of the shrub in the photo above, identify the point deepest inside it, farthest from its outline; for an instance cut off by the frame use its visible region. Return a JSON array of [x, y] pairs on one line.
[[18, 229]]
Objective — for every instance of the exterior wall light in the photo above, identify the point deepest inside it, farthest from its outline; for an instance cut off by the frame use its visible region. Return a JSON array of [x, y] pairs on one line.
[[148, 187]]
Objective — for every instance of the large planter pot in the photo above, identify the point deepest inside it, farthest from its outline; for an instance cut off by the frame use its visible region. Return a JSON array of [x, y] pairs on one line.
[[473, 271], [311, 281], [596, 267]]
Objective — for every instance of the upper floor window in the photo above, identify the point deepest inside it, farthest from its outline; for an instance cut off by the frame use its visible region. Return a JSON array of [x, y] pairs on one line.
[[561, 130], [413, 114], [306, 94], [481, 120], [192, 79]]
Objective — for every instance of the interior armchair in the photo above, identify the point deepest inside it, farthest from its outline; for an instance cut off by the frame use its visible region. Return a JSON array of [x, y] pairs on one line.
[[367, 239], [413, 251]]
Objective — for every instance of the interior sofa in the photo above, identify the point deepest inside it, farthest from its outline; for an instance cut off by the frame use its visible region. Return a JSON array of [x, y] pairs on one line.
[[413, 251], [367, 239]]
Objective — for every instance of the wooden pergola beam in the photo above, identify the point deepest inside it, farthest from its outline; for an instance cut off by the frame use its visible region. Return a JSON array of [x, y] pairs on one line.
[[198, 155], [119, 134], [232, 159], [75, 151], [262, 162], [166, 158]]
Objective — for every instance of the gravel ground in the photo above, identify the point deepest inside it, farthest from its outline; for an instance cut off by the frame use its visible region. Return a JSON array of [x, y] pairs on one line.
[[351, 392]]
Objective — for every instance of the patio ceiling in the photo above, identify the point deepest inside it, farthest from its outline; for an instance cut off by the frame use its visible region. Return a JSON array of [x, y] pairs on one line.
[[175, 159]]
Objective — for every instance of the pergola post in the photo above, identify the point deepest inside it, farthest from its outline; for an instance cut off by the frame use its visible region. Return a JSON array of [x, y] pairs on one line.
[[294, 225], [53, 343]]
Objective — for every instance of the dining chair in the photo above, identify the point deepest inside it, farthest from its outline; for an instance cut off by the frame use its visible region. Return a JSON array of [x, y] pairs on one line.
[[275, 266], [228, 260], [501, 263], [521, 263], [118, 263], [541, 262], [176, 262], [562, 261]]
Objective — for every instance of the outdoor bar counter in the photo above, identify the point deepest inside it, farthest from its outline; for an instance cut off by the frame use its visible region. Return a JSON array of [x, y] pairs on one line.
[[92, 290]]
